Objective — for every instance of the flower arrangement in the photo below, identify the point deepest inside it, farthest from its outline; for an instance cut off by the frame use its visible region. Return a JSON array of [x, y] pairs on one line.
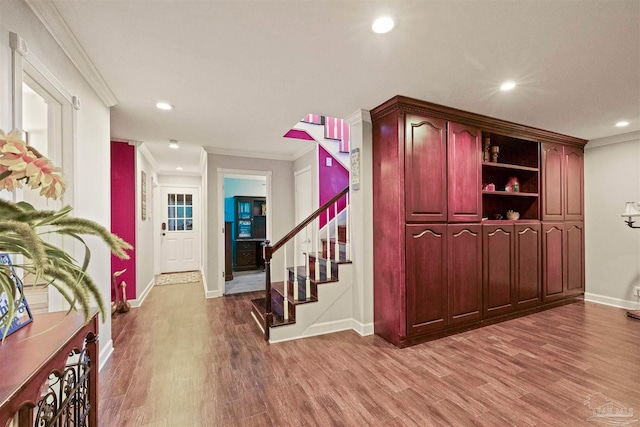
[[22, 228]]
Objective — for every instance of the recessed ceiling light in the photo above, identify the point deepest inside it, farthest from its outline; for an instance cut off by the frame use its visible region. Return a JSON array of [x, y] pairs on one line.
[[507, 86], [179, 168], [382, 25], [174, 144], [164, 106], [622, 124]]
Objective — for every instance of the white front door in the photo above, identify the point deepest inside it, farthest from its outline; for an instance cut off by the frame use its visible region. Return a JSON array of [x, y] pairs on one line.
[[181, 218], [304, 208]]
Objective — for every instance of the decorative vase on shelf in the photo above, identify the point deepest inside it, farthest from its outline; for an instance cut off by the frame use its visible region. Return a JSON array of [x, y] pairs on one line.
[[494, 153], [513, 185], [513, 215]]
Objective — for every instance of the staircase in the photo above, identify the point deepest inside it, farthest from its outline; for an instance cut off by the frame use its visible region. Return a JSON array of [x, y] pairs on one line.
[[313, 298]]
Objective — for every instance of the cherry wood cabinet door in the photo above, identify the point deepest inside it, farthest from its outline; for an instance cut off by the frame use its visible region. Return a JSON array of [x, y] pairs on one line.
[[426, 277], [425, 169], [528, 264], [574, 240], [465, 173], [498, 269], [552, 182], [553, 261], [573, 183], [465, 272]]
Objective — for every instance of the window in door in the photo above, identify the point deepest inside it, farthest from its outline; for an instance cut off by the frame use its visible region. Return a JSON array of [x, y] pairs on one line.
[[180, 212]]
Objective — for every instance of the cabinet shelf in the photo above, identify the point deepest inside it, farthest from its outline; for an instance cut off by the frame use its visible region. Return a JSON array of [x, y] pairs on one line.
[[509, 193], [509, 166]]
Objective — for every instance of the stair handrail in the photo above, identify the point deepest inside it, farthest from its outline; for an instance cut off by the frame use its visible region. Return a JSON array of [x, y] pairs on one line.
[[268, 251]]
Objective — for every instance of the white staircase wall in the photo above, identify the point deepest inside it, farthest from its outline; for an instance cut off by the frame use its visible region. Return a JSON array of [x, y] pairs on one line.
[[332, 146], [333, 312]]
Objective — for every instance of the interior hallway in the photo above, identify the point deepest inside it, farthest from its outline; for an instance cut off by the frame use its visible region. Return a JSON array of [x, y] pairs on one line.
[[183, 360]]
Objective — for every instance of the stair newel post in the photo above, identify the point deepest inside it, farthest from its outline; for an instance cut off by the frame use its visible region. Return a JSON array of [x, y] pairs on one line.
[[295, 269], [328, 244], [285, 302], [336, 248], [347, 245], [316, 236], [306, 267], [267, 252]]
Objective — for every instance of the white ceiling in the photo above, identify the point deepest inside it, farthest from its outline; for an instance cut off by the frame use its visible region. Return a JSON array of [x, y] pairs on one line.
[[242, 73]]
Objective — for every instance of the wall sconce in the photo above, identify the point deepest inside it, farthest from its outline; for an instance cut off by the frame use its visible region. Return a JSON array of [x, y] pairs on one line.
[[630, 211]]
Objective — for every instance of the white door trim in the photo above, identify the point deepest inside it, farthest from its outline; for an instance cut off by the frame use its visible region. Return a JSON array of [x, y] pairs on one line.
[[198, 221], [220, 225]]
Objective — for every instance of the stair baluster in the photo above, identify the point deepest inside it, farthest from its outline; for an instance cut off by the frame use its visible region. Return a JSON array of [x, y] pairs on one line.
[[267, 252], [316, 235], [347, 245], [295, 271], [336, 250], [285, 302], [328, 245], [307, 289]]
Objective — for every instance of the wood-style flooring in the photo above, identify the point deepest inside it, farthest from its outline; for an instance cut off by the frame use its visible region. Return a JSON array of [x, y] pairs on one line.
[[183, 360]]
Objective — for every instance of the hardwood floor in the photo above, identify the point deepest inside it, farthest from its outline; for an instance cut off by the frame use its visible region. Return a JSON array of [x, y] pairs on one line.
[[182, 360]]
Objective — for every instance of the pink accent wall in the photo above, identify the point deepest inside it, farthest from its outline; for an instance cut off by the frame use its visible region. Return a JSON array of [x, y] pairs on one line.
[[123, 210], [332, 179], [298, 134]]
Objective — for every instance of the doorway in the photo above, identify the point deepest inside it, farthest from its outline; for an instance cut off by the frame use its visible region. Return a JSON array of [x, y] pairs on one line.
[[180, 241], [40, 129], [244, 198]]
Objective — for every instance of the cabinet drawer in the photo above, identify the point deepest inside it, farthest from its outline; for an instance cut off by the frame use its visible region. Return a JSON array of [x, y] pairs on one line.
[[245, 246], [244, 259]]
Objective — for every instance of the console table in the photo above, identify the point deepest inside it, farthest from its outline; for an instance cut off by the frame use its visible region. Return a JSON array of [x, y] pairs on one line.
[[36, 380]]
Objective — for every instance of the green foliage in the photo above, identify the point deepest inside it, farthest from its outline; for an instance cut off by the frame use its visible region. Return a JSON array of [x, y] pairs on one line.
[[21, 232]]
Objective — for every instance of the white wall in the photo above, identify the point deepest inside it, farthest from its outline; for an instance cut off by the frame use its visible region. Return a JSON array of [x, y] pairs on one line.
[[144, 228], [92, 169], [612, 249], [180, 180], [280, 209], [245, 187]]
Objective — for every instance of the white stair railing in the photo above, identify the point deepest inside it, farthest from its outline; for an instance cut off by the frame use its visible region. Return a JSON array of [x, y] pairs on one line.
[[310, 224]]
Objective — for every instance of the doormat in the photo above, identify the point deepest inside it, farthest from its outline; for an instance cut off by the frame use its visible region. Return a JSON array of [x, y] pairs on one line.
[[177, 278]]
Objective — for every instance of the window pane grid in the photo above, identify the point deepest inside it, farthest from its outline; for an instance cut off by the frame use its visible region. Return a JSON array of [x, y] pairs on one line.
[[180, 212]]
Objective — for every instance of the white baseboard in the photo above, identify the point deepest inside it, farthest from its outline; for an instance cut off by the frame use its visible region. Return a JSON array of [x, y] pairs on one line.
[[207, 292], [212, 294], [321, 329], [105, 354], [361, 328], [614, 302], [138, 301]]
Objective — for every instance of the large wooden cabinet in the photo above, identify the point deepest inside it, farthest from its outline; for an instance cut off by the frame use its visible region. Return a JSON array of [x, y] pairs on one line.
[[563, 271], [446, 258], [250, 230], [562, 182]]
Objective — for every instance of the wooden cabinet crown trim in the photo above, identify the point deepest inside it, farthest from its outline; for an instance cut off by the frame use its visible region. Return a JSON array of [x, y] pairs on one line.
[[487, 124]]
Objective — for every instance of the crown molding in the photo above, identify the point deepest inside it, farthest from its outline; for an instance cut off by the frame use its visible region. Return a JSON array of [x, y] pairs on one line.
[[615, 139], [147, 155], [53, 21], [203, 161]]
